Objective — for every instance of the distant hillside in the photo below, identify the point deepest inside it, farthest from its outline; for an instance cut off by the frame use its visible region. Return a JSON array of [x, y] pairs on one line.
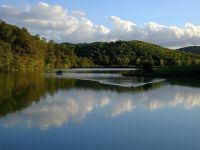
[[21, 51], [133, 53], [191, 49]]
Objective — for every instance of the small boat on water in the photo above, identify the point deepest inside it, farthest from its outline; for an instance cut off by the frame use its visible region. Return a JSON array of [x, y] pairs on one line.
[[59, 72]]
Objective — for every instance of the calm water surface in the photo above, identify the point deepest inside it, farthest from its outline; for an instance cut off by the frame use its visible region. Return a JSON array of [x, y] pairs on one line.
[[98, 110]]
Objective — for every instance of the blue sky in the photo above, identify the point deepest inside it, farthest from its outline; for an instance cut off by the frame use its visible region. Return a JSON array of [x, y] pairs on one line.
[[170, 23], [168, 12]]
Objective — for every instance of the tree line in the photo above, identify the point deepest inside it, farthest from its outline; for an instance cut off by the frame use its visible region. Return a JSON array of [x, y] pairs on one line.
[[21, 51], [191, 49]]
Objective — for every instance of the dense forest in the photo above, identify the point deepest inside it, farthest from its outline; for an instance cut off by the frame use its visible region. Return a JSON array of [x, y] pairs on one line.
[[191, 49], [133, 53], [21, 51]]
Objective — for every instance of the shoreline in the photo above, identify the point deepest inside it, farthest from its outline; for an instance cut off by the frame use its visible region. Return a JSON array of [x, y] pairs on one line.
[[186, 71]]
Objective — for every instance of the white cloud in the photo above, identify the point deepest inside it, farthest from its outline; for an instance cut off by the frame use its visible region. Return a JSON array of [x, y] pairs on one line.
[[55, 22], [125, 30], [78, 13], [172, 36], [123, 25]]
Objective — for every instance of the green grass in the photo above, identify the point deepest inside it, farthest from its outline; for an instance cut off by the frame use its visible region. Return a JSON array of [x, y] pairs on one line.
[[187, 71]]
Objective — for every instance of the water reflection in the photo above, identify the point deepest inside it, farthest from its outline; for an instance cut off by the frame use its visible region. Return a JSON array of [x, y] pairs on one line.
[[58, 109], [36, 101], [110, 78]]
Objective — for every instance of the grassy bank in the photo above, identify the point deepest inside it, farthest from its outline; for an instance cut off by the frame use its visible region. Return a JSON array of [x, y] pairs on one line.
[[188, 71]]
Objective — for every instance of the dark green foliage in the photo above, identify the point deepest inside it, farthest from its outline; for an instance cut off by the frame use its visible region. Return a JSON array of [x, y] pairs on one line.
[[191, 49], [187, 71], [133, 53], [21, 51], [6, 57], [147, 67], [191, 71], [85, 62]]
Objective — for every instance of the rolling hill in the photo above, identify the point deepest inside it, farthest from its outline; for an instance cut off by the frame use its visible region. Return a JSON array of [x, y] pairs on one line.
[[191, 49]]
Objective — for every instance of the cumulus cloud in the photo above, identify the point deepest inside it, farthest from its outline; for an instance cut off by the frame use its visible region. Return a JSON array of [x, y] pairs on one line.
[[125, 30], [78, 13], [57, 23], [172, 36]]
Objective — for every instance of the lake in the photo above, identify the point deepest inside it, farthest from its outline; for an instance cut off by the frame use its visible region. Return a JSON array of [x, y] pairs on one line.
[[98, 109]]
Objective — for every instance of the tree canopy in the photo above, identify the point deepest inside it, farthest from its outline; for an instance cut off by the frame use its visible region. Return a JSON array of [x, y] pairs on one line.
[[21, 51], [191, 49]]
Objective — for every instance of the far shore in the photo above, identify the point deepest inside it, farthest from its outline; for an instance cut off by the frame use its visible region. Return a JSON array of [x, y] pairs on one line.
[[186, 71]]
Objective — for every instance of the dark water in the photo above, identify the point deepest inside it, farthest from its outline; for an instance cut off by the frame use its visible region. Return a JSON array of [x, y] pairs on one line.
[[98, 112]]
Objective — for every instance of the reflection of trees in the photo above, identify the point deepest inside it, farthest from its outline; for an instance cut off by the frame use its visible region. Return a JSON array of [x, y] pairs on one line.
[[185, 82], [18, 91], [54, 101], [75, 104], [96, 86]]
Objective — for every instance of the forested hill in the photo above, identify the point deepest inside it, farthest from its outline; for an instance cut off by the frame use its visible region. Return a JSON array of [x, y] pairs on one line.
[[21, 51], [134, 53], [191, 49]]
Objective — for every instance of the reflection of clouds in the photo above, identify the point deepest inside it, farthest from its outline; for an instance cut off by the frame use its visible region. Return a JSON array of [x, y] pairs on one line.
[[57, 110], [122, 106], [166, 96], [104, 101], [74, 105], [169, 96]]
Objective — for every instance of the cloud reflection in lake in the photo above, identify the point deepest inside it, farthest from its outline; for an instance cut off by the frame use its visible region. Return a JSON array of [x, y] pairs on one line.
[[74, 105]]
